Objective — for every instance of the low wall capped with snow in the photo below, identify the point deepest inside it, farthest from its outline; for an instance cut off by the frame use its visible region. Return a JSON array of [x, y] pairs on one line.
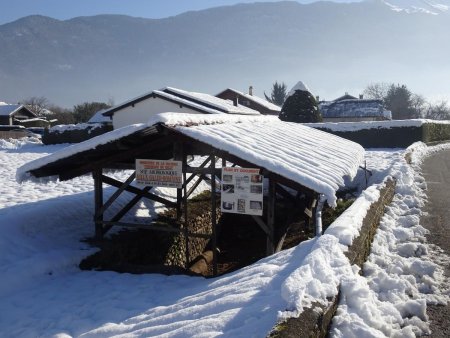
[[389, 134], [74, 133]]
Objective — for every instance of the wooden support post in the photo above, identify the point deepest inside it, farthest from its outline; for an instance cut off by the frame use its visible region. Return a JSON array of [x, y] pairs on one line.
[[212, 167], [270, 247], [116, 194], [98, 203], [178, 156], [185, 211]]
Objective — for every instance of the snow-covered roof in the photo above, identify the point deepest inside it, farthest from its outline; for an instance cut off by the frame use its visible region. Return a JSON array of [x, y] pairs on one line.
[[217, 103], [255, 99], [364, 125], [98, 117], [312, 158], [187, 103], [299, 86], [34, 119], [201, 102], [8, 109], [354, 108]]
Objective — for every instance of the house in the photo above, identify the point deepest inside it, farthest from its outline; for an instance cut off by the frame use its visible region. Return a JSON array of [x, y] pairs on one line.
[[251, 101], [348, 108], [140, 109], [15, 114]]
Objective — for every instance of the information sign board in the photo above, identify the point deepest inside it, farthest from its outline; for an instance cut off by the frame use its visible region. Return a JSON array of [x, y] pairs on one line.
[[242, 191], [159, 173]]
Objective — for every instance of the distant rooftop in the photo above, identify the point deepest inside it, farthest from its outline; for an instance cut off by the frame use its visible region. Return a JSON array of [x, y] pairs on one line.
[[256, 99], [201, 102], [344, 108], [8, 109]]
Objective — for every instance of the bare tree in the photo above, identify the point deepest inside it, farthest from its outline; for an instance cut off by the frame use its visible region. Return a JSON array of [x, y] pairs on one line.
[[418, 104], [377, 91], [38, 105], [438, 111], [62, 115]]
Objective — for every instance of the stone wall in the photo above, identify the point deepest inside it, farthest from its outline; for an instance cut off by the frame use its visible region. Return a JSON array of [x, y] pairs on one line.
[[314, 323], [201, 223]]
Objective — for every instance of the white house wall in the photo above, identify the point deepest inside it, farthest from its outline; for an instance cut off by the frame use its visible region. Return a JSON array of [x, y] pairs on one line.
[[142, 111]]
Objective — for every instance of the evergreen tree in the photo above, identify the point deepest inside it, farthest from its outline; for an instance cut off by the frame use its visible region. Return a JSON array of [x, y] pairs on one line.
[[399, 100], [278, 94], [300, 106]]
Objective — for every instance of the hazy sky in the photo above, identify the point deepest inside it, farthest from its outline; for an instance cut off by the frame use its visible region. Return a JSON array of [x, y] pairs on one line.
[[11, 10]]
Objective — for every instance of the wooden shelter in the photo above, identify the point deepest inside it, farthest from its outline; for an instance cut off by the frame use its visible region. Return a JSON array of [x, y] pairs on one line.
[[174, 140]]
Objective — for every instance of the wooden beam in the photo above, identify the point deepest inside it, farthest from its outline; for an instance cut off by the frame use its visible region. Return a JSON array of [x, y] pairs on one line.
[[283, 192], [212, 167], [141, 192], [116, 194], [261, 224], [203, 171], [204, 163], [195, 185], [98, 202], [125, 209], [178, 156], [119, 156], [153, 226], [270, 247]]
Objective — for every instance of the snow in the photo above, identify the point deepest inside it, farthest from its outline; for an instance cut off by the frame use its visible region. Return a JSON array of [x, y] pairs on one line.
[[352, 126], [204, 102], [45, 294], [188, 103], [315, 159], [354, 108], [419, 6], [298, 86], [258, 100], [312, 158], [214, 101], [61, 128], [98, 117], [399, 278]]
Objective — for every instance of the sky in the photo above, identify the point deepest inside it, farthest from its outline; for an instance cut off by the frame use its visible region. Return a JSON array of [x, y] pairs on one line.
[[67, 9]]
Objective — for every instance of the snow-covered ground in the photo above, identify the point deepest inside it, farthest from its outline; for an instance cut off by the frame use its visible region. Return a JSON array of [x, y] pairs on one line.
[[44, 294]]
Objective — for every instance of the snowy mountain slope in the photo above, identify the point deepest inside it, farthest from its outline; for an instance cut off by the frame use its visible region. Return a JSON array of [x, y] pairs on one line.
[[419, 6]]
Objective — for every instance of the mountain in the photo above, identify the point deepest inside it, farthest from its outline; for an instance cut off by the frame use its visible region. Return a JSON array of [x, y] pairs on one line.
[[419, 6], [332, 47]]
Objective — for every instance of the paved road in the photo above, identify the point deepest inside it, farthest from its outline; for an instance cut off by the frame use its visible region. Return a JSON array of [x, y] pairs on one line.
[[436, 171]]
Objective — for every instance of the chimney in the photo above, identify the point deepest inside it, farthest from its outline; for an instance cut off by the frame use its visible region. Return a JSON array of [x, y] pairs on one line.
[[250, 90], [236, 101], [317, 98], [361, 96]]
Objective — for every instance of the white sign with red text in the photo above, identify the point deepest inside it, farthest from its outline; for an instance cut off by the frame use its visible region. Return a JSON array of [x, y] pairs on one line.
[[159, 173]]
